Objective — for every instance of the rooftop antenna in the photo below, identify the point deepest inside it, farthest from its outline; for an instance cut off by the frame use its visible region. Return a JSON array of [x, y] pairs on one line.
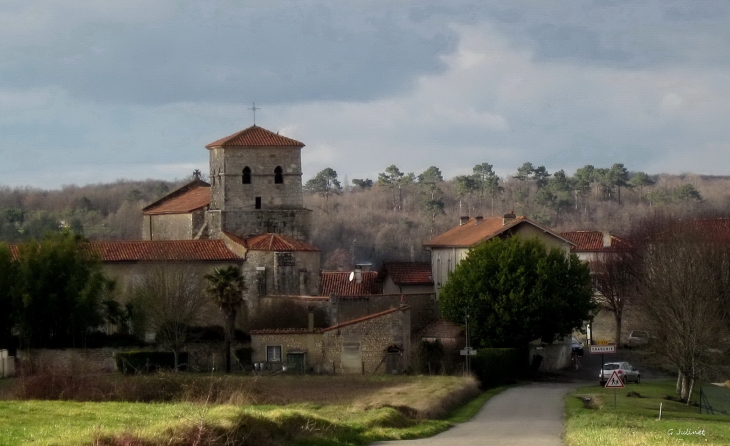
[[254, 108]]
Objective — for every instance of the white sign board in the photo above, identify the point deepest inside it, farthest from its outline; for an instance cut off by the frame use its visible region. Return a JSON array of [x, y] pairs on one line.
[[614, 381], [598, 349], [468, 352]]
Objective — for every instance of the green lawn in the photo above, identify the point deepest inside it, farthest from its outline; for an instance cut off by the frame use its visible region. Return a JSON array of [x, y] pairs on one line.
[[635, 420], [73, 423]]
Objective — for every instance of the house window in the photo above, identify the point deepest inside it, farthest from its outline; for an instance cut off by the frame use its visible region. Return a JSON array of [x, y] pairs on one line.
[[278, 175], [246, 175], [258, 202], [273, 353]]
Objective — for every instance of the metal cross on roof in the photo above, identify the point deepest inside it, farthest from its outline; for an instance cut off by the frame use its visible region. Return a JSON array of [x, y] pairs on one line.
[[254, 108]]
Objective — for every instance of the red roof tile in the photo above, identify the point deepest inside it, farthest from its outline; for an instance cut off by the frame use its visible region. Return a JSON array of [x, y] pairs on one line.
[[593, 241], [717, 229], [409, 273], [195, 198], [471, 233], [442, 329], [141, 251], [255, 136], [275, 242], [339, 284], [156, 250]]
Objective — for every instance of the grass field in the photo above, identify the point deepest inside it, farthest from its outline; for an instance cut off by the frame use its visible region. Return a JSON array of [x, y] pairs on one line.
[[395, 408], [592, 420]]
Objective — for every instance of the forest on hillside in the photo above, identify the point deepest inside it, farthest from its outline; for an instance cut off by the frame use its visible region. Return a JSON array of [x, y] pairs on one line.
[[389, 217]]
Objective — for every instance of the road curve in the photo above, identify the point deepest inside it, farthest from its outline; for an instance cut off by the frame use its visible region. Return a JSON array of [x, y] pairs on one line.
[[526, 415]]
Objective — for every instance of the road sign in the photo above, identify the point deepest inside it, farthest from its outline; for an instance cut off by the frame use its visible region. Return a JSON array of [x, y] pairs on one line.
[[615, 381], [600, 349], [468, 352]]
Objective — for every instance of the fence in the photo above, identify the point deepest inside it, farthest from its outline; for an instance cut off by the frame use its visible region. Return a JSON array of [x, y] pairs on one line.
[[714, 399]]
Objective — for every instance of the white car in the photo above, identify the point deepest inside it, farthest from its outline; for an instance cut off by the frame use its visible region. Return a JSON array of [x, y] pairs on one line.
[[625, 371]]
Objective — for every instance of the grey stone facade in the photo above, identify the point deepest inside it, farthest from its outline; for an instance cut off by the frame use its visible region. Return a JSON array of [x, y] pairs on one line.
[[267, 202]]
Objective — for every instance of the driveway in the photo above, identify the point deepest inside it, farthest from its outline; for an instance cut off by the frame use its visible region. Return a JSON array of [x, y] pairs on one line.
[[529, 415]]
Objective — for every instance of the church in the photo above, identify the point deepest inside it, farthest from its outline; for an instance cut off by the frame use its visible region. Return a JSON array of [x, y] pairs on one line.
[[251, 214], [254, 206]]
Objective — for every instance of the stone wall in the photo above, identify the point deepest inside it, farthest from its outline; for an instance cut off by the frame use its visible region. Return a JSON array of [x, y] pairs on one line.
[[172, 226], [323, 350], [266, 274], [92, 360]]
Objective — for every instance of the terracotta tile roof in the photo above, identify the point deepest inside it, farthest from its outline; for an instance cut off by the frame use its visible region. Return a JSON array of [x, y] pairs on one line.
[[593, 241], [409, 273], [145, 250], [471, 233], [196, 198], [180, 191], [255, 136], [442, 329], [717, 229], [339, 284], [275, 242], [286, 331], [365, 318]]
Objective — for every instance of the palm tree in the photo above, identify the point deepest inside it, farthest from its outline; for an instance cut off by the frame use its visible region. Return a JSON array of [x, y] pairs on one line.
[[225, 286]]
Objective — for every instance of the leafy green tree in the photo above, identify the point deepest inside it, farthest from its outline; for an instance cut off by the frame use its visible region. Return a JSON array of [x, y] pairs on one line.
[[466, 186], [557, 194], [394, 180], [619, 178], [59, 289], [487, 183], [324, 184], [686, 193], [365, 184], [225, 287], [516, 291], [641, 180], [432, 175]]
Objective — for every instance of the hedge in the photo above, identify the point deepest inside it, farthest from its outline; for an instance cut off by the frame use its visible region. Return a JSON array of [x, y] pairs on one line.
[[133, 362], [498, 366]]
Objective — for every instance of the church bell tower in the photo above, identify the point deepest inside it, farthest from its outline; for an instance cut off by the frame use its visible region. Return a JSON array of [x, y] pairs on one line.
[[256, 186]]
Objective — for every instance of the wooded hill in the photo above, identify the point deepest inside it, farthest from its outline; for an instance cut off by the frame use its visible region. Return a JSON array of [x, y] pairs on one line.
[[390, 217]]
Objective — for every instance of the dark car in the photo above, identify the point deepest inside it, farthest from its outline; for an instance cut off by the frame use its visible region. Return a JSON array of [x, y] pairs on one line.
[[577, 346]]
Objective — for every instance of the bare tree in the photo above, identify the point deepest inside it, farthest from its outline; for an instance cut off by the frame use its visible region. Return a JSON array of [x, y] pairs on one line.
[[614, 278], [171, 299], [684, 291]]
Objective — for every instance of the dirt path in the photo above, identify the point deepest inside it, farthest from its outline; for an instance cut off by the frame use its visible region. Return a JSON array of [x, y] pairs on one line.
[[525, 415]]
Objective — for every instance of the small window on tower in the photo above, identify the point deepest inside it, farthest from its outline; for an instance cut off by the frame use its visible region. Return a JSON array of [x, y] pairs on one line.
[[258, 202], [278, 175], [246, 175]]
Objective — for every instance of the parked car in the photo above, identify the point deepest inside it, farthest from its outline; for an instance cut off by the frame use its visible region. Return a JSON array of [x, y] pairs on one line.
[[637, 338], [577, 346], [626, 371]]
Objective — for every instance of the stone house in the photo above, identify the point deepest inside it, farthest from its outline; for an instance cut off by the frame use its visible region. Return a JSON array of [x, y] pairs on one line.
[[376, 343], [452, 246]]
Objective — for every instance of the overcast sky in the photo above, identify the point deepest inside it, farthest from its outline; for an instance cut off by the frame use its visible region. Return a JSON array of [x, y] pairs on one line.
[[94, 91]]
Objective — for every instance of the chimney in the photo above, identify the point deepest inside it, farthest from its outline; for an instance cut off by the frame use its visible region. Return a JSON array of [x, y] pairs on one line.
[[479, 219], [508, 218], [606, 239], [464, 219], [358, 274]]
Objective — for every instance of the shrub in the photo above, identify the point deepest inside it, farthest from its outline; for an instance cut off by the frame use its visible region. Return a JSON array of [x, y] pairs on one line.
[[497, 366], [147, 362], [243, 355]]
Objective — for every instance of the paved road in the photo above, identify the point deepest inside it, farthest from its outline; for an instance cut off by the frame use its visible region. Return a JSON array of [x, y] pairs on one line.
[[526, 415]]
